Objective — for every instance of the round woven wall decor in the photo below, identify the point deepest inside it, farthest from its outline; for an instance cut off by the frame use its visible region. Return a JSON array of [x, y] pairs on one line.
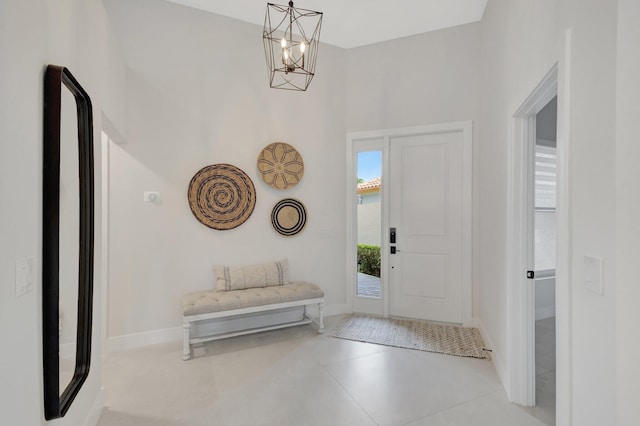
[[280, 165], [221, 196], [289, 217]]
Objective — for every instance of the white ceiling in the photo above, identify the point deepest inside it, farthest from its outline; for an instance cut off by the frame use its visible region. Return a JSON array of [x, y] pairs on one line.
[[353, 23]]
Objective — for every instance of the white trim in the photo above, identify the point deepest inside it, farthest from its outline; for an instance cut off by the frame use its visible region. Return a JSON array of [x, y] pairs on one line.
[[96, 409], [564, 349], [340, 309], [104, 192], [350, 230], [361, 138], [174, 334], [368, 305], [467, 217], [384, 243], [520, 202], [145, 338], [496, 358]]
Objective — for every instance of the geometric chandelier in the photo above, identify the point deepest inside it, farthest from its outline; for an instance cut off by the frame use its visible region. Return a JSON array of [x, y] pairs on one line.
[[291, 37]]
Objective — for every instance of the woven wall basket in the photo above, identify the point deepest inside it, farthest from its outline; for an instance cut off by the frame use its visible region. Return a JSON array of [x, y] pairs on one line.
[[280, 165], [221, 196], [289, 217]]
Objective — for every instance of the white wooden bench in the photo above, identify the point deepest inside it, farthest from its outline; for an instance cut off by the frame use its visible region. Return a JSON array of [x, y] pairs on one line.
[[207, 306]]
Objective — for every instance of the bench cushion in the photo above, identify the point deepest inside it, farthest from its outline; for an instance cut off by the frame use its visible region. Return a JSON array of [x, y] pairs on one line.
[[205, 302]]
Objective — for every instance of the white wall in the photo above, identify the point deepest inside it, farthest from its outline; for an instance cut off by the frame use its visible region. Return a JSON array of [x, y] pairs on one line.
[[198, 94], [628, 212], [424, 79], [193, 101], [33, 33], [521, 41]]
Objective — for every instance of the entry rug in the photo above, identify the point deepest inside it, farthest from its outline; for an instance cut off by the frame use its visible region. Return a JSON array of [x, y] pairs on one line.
[[420, 335]]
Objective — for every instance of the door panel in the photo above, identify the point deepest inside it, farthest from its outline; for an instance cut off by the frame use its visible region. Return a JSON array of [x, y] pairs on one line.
[[426, 199], [433, 270], [423, 188]]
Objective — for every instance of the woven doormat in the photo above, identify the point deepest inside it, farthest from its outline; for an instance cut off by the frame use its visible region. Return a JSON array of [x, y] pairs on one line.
[[420, 335]]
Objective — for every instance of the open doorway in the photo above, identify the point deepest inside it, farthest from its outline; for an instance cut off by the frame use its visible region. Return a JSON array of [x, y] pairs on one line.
[[545, 219], [537, 261]]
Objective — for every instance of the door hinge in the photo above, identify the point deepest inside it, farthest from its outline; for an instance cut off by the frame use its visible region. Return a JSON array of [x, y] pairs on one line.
[[531, 275]]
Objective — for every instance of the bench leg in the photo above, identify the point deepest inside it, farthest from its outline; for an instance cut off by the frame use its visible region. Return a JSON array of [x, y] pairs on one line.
[[321, 317], [186, 347]]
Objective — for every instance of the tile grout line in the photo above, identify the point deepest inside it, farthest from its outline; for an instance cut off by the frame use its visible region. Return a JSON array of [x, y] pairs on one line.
[[452, 407], [350, 396]]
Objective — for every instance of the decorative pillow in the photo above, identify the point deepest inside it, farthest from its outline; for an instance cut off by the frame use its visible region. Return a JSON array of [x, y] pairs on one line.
[[251, 276]]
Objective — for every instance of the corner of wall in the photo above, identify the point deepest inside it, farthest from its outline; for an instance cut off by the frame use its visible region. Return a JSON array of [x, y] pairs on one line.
[[497, 358]]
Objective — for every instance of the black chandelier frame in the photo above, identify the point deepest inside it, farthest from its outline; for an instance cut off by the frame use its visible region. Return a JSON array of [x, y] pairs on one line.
[[291, 37]]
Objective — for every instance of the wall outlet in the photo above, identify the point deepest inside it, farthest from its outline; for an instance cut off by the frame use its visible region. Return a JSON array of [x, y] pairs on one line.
[[25, 272], [593, 275], [151, 197]]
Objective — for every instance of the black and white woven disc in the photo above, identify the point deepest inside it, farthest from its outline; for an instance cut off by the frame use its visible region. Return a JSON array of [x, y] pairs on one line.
[[289, 217]]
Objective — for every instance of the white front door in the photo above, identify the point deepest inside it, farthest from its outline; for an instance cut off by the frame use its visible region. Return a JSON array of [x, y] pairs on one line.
[[428, 198]]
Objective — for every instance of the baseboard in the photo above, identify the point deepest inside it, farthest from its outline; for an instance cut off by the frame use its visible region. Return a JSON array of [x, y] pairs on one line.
[[96, 410], [154, 337], [546, 312], [472, 323], [337, 309], [496, 357], [146, 338]]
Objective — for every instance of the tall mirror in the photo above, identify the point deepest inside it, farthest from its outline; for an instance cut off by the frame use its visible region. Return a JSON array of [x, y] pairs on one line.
[[69, 239], [68, 226]]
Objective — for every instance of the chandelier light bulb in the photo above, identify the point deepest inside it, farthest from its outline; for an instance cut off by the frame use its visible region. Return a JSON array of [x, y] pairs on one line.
[[302, 47], [283, 43]]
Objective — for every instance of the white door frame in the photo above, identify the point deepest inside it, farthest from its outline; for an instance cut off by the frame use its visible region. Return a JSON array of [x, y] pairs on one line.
[[521, 385], [109, 134], [360, 138], [364, 304], [104, 191]]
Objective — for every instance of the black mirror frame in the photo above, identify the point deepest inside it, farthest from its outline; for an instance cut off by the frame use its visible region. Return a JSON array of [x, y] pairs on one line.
[[56, 404]]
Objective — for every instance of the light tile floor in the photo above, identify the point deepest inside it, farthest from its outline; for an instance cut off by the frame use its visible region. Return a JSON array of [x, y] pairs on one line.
[[297, 377]]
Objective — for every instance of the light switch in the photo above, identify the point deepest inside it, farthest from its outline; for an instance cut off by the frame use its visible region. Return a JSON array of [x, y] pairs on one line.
[[24, 276], [593, 275]]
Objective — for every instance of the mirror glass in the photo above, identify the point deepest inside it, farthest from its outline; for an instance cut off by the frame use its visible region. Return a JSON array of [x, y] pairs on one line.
[[69, 237]]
